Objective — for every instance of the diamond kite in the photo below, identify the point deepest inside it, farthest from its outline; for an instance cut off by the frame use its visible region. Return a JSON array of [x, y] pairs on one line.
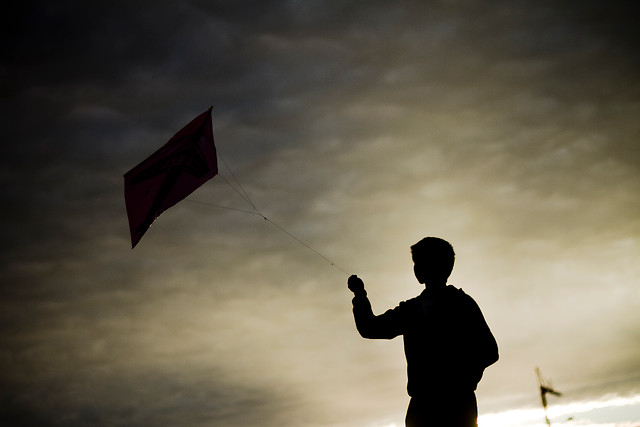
[[170, 174]]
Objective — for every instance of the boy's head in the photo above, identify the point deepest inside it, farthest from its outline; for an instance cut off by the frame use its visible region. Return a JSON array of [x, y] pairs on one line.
[[433, 260]]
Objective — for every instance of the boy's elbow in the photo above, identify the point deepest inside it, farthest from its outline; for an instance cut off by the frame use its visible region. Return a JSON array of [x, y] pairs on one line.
[[496, 358], [365, 332], [371, 326], [372, 332]]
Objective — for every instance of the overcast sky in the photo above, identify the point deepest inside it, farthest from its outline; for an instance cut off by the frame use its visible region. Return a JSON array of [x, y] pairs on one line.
[[509, 128]]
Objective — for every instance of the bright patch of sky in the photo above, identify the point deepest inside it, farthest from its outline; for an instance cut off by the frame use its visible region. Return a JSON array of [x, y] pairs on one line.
[[610, 411]]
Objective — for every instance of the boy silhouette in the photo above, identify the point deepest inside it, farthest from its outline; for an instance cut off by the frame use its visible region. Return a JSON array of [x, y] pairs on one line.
[[447, 342]]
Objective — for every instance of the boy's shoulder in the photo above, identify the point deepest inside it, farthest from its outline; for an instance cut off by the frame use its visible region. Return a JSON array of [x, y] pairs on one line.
[[448, 296]]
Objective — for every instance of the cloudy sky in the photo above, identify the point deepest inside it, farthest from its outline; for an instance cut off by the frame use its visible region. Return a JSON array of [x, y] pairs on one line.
[[509, 128]]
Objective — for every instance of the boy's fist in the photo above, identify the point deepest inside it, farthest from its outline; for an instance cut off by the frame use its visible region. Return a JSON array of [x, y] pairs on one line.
[[356, 285]]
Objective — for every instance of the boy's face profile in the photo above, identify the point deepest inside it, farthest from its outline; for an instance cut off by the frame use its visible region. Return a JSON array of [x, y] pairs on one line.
[[418, 270], [423, 270], [428, 270]]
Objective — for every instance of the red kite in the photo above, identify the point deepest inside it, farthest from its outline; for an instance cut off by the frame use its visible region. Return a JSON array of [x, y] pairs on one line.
[[170, 174]]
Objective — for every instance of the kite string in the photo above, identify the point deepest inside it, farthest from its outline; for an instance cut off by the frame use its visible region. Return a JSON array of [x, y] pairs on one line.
[[333, 264], [259, 213], [240, 193], [223, 207], [243, 193], [240, 190]]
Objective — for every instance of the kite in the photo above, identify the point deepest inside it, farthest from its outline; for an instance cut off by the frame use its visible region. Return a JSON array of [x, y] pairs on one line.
[[170, 174], [175, 171], [544, 389]]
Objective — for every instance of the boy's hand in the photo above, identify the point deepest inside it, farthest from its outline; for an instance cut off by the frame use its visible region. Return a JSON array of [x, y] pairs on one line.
[[356, 285]]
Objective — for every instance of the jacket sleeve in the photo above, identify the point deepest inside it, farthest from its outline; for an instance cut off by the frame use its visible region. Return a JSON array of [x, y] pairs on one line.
[[385, 326], [485, 345], [473, 344]]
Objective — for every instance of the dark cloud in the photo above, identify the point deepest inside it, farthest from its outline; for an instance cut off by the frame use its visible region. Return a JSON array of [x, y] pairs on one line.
[[136, 397]]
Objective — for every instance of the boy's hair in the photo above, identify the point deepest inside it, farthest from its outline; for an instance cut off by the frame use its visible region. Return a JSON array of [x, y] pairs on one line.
[[435, 253]]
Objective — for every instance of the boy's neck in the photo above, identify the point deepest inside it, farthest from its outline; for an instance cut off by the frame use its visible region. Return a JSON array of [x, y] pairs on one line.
[[435, 284]]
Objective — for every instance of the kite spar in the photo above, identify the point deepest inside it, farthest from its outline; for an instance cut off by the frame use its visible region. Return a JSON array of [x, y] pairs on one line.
[[170, 174]]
